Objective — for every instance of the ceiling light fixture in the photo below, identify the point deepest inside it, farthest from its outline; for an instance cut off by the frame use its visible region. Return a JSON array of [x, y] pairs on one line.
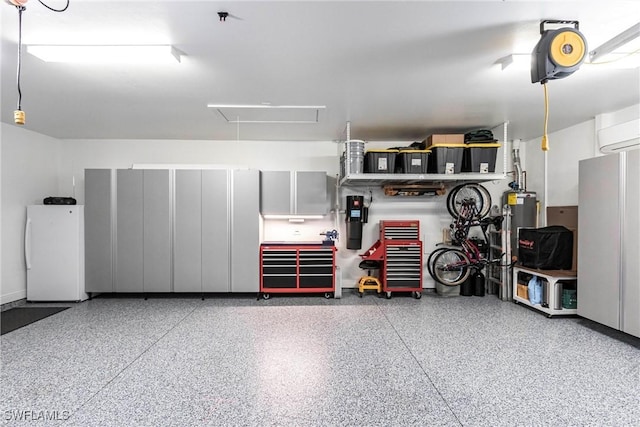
[[609, 50], [269, 106], [292, 218], [104, 54]]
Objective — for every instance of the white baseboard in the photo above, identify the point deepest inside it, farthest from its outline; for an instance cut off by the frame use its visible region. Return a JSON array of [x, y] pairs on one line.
[[13, 296]]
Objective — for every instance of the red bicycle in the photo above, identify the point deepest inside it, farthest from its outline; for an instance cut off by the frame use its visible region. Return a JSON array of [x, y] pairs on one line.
[[452, 266]]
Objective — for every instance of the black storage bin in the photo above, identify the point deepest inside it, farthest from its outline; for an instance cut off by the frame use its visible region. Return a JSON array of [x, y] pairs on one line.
[[445, 158], [546, 248], [412, 161], [480, 158], [380, 161]]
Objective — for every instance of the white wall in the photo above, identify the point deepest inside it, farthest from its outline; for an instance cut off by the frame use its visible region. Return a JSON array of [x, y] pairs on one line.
[[29, 174], [270, 155], [264, 155], [566, 148]]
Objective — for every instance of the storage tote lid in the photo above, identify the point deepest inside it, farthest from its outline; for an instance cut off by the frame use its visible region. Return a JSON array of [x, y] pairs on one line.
[[483, 145], [415, 151], [449, 145]]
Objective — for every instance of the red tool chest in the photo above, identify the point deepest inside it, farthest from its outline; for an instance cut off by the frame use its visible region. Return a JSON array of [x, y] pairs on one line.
[[297, 268], [400, 252]]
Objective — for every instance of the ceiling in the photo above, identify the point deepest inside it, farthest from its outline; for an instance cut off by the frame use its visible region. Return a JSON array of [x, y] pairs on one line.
[[396, 70]]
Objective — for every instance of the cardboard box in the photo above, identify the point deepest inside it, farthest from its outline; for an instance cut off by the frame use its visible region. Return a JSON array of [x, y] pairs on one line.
[[453, 138], [522, 291], [568, 217]]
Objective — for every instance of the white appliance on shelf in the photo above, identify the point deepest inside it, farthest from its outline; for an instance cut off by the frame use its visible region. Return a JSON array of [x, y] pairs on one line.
[[54, 253]]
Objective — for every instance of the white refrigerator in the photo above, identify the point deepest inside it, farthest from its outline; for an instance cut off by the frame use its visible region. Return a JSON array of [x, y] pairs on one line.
[[54, 253]]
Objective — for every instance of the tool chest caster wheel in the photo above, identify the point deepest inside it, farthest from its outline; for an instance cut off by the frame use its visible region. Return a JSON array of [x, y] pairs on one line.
[[388, 295], [328, 295], [417, 295], [266, 296]]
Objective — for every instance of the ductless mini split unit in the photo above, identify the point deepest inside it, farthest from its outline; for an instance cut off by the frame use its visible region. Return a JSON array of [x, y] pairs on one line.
[[620, 137]]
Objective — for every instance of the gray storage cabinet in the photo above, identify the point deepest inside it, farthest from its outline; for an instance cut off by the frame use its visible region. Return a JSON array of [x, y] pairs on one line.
[[156, 230], [216, 231], [129, 231], [143, 231], [293, 193], [245, 232], [608, 244], [187, 251], [98, 230], [216, 239], [161, 230]]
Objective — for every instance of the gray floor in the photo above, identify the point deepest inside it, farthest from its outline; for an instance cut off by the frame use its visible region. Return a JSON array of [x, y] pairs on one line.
[[302, 361]]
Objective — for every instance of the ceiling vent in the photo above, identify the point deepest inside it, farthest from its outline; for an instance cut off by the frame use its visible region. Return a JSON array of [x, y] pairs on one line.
[[620, 137]]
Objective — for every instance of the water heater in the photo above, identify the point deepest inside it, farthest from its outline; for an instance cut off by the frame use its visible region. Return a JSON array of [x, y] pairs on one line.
[[524, 213]]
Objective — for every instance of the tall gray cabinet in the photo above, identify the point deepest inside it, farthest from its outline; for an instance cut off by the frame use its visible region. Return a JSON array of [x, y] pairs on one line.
[[98, 230], [143, 231], [608, 244], [172, 230]]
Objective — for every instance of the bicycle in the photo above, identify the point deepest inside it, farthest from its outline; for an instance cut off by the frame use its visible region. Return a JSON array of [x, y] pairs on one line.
[[452, 266]]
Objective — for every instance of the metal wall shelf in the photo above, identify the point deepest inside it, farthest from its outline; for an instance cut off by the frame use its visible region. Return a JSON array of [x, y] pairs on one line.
[[371, 179]]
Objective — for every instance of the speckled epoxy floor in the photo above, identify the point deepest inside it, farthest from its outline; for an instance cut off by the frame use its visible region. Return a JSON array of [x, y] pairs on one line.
[[307, 361]]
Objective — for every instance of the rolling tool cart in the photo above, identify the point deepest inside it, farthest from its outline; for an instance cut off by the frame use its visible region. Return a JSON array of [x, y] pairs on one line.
[[399, 254], [297, 268]]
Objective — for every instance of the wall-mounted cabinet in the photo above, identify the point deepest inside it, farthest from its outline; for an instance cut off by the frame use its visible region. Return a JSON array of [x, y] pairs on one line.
[[294, 193]]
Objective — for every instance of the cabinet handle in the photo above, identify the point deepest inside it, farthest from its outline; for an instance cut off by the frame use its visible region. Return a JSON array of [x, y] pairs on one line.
[[27, 244]]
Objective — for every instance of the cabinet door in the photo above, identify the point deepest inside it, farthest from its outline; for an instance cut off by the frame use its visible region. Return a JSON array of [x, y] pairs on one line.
[[215, 231], [129, 239], [599, 240], [187, 258], [311, 193], [157, 230], [275, 193], [98, 231], [245, 233], [631, 247]]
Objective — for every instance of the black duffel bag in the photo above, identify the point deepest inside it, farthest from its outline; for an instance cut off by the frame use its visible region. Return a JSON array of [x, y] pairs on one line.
[[546, 248]]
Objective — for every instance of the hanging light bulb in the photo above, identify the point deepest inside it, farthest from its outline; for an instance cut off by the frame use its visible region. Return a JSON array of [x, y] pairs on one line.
[[19, 115]]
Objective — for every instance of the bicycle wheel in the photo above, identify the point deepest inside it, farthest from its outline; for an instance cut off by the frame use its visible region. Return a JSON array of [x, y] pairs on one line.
[[470, 191], [451, 267], [432, 257]]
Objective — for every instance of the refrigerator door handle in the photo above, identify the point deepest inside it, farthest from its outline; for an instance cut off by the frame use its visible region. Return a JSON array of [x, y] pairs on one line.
[[27, 244]]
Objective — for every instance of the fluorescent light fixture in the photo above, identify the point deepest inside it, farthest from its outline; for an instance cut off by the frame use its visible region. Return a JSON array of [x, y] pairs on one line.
[[293, 218], [269, 106], [268, 113], [515, 61], [615, 45], [104, 54]]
